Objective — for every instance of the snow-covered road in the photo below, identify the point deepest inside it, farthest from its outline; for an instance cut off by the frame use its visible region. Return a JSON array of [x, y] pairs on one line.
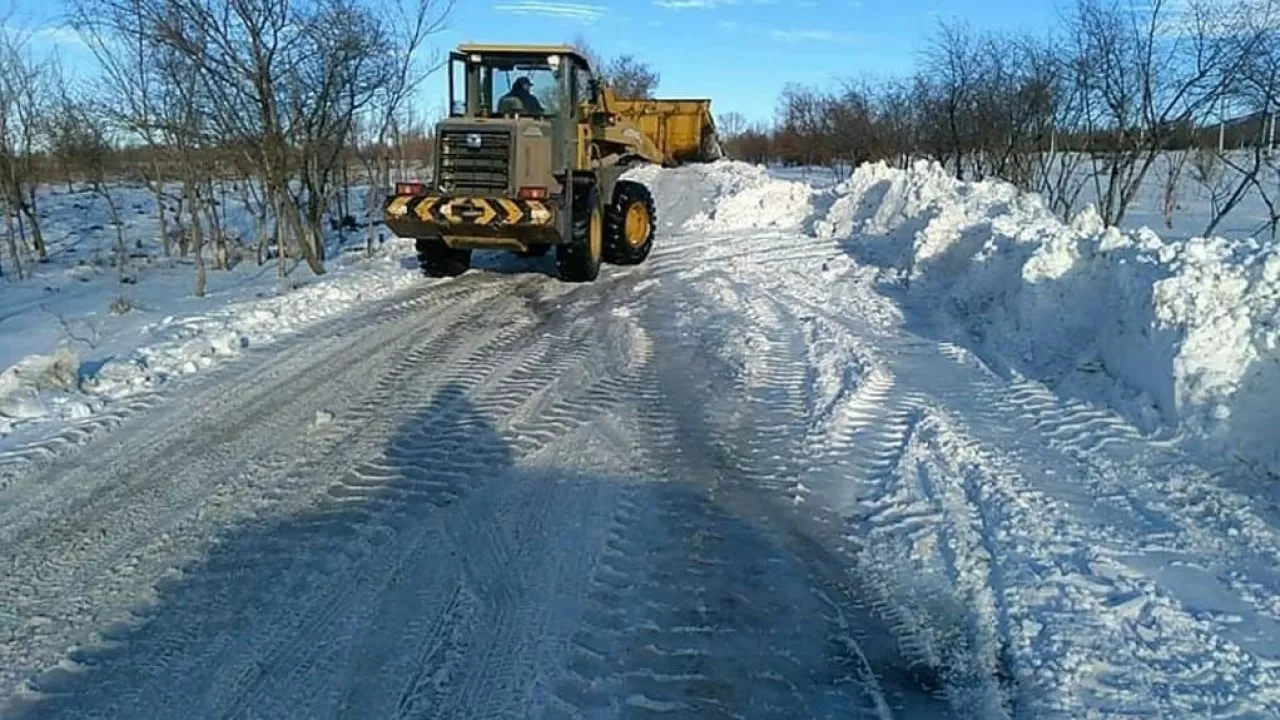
[[739, 480]]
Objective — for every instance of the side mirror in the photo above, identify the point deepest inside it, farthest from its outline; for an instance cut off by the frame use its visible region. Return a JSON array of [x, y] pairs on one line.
[[595, 91]]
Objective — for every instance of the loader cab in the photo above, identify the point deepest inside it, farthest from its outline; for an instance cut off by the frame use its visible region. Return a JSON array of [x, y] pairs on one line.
[[527, 149], [481, 76]]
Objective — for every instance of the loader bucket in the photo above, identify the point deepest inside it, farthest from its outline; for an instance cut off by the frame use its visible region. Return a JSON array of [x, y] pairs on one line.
[[683, 130]]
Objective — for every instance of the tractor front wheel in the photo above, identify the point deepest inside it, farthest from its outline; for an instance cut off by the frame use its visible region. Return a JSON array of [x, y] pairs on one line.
[[630, 224]]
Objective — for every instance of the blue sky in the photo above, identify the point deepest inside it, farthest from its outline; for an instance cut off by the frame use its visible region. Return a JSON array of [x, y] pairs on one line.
[[737, 52], [741, 52]]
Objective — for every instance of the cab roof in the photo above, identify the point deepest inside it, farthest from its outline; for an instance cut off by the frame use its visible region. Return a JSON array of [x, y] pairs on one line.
[[491, 49]]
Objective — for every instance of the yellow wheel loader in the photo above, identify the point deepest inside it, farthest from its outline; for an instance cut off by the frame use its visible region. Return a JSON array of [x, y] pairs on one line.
[[530, 158]]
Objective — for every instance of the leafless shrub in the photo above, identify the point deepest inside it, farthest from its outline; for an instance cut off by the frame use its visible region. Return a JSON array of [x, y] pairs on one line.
[[90, 336], [120, 305], [280, 86]]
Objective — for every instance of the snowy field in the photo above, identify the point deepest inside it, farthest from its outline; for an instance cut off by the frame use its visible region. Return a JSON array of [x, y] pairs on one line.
[[914, 448], [76, 340]]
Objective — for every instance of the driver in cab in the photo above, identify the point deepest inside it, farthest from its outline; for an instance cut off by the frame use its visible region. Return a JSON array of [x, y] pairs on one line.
[[520, 101]]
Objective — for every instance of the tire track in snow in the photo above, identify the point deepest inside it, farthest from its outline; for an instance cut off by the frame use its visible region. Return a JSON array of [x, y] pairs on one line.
[[1141, 485], [242, 675], [275, 372], [25, 460], [855, 440], [387, 488], [1051, 490], [683, 623], [508, 629], [864, 470], [137, 497], [659, 641], [496, 618], [96, 557], [308, 470], [489, 571]]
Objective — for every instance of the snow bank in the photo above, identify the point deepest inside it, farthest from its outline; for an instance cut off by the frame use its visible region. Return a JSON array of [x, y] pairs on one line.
[[21, 387], [63, 386], [725, 196], [749, 198], [1184, 332]]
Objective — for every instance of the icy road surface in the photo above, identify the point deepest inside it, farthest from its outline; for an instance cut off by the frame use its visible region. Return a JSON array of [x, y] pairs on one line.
[[727, 483]]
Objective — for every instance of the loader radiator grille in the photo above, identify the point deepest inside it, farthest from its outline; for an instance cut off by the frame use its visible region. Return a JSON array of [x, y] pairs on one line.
[[465, 168]]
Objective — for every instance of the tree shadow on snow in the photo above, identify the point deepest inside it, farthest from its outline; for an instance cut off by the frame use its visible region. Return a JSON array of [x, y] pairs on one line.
[[446, 580]]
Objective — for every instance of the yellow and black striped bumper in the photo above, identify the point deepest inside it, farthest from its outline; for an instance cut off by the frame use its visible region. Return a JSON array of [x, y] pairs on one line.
[[414, 213]]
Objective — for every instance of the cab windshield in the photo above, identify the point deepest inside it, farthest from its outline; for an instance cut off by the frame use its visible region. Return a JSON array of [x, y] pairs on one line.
[[522, 90], [505, 86]]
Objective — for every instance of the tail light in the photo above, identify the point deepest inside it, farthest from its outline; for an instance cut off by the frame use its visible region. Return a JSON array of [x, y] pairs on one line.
[[533, 193], [411, 188]]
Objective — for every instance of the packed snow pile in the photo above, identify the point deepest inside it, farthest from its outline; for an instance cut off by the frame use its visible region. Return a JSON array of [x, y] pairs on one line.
[[21, 385], [751, 199], [725, 196], [1185, 332]]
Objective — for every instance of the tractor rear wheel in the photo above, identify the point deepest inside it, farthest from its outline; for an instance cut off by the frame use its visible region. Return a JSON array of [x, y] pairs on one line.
[[579, 259], [439, 260], [629, 224]]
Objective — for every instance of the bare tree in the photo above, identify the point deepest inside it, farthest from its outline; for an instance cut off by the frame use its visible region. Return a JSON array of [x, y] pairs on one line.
[[755, 144], [131, 91], [282, 83], [631, 78], [952, 59], [1255, 92], [803, 135], [88, 134], [584, 47], [25, 89], [1144, 74], [898, 119], [848, 118], [731, 124]]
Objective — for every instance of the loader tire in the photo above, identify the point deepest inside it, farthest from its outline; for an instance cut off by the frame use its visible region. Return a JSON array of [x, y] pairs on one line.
[[579, 259], [629, 224], [439, 260]]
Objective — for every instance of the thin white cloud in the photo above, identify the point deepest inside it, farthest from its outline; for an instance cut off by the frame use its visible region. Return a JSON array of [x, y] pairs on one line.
[[45, 36], [792, 35], [61, 35], [690, 4], [708, 4], [813, 36], [572, 11]]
